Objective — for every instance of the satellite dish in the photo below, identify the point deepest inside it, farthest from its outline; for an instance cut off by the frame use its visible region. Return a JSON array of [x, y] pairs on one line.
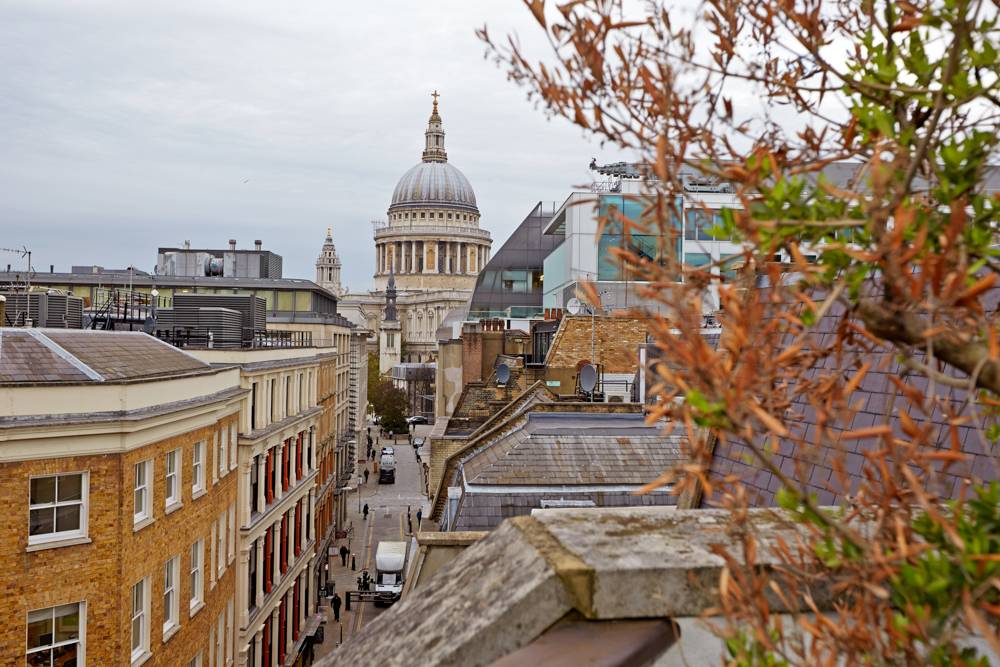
[[588, 378], [503, 374], [574, 306]]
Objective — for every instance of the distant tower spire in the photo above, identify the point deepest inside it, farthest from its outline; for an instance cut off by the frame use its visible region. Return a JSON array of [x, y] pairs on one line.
[[390, 298], [328, 266], [434, 136]]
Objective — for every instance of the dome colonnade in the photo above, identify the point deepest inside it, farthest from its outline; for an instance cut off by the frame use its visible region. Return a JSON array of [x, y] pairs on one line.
[[432, 238]]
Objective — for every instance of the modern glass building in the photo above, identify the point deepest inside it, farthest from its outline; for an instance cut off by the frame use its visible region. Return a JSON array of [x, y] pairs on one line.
[[510, 285], [578, 259]]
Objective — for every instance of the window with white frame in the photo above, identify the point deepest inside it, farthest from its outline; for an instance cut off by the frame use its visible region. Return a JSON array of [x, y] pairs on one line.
[[230, 645], [56, 635], [198, 467], [57, 507], [143, 475], [196, 573], [171, 593], [173, 478], [220, 438], [232, 532], [221, 547], [211, 548], [195, 661], [140, 619], [233, 439], [220, 633]]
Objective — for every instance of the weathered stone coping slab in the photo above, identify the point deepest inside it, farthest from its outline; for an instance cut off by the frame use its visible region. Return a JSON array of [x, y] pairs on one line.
[[505, 590]]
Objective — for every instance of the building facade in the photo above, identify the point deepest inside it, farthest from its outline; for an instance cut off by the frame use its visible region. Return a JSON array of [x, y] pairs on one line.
[[118, 471], [328, 266]]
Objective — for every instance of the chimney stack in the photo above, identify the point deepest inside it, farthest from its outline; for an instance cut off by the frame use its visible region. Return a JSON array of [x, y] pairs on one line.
[[232, 244], [257, 244], [52, 268]]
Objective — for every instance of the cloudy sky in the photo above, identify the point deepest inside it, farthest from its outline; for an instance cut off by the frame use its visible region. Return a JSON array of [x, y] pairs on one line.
[[125, 126]]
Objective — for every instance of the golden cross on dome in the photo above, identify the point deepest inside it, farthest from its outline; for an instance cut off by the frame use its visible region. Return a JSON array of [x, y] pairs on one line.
[[329, 231], [435, 95]]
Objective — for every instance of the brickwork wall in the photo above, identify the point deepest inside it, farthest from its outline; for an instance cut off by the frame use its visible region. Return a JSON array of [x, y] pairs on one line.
[[472, 356], [616, 341], [102, 573]]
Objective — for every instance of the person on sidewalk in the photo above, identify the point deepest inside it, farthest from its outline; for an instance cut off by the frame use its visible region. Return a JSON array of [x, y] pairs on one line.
[[365, 512], [336, 607], [343, 555], [420, 513], [366, 475]]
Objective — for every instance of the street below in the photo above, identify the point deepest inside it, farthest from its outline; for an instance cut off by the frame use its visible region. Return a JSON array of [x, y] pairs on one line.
[[389, 506]]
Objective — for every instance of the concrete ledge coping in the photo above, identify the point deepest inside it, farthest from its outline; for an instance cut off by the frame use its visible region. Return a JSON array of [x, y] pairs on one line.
[[450, 539], [605, 564]]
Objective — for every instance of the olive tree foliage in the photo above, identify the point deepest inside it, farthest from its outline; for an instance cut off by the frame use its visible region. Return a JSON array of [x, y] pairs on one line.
[[765, 95]]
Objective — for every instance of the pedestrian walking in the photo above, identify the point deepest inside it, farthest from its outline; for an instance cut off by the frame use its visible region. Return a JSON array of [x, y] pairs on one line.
[[336, 607], [343, 554], [365, 512], [409, 438], [366, 475], [420, 513]]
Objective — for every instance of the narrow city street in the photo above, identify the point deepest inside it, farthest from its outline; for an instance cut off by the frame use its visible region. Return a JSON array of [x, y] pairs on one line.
[[387, 521]]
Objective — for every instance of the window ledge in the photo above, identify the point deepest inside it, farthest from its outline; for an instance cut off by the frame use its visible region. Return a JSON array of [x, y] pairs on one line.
[[198, 493], [194, 609], [142, 523], [170, 631], [174, 506], [141, 659], [55, 544]]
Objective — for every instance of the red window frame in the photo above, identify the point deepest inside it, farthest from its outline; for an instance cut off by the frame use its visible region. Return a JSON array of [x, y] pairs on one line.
[[298, 458], [269, 477], [268, 563], [284, 543], [285, 468], [282, 635], [265, 643], [295, 611], [298, 528]]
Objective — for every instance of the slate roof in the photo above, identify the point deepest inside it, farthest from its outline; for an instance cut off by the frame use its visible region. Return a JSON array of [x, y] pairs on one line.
[[875, 397], [52, 356], [564, 449]]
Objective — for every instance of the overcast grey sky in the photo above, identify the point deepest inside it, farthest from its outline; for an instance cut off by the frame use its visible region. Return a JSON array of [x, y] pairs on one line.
[[125, 126]]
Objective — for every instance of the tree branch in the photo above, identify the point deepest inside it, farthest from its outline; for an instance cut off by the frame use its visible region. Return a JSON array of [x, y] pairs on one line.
[[909, 328]]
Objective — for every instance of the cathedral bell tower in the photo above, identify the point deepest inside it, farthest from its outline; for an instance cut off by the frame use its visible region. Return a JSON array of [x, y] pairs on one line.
[[390, 343], [328, 266]]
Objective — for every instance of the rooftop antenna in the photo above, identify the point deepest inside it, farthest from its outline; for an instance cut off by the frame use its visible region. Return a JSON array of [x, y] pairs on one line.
[[23, 252]]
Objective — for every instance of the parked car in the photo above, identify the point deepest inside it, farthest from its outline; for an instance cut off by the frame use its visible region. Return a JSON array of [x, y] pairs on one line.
[[416, 419], [388, 450], [419, 442]]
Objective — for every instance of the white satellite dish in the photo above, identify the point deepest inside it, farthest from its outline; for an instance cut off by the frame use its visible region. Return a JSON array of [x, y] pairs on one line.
[[588, 378], [503, 375], [574, 306]]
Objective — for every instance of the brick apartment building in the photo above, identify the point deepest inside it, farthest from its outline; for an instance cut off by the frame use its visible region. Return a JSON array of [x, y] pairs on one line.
[[293, 446], [117, 475]]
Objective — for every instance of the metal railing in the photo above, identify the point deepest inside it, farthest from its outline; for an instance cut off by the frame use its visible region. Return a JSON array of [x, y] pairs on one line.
[[201, 337]]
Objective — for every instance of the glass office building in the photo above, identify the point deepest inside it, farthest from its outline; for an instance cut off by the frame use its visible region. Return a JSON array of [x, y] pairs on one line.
[[510, 285]]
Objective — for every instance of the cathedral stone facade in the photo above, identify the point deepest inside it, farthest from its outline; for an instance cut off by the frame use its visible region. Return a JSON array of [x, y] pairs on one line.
[[430, 245]]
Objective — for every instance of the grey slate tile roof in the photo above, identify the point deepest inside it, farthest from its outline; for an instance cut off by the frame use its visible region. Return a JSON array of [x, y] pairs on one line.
[[874, 396], [51, 356], [576, 449]]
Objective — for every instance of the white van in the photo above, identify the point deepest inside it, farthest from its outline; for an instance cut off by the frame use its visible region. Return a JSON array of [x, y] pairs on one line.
[[387, 469], [390, 559]]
